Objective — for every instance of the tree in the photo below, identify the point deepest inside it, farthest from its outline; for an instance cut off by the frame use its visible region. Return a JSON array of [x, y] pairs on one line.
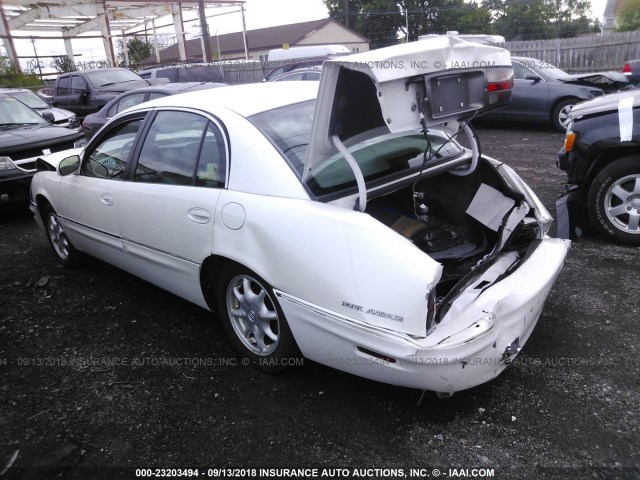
[[63, 64], [440, 16], [138, 50], [629, 19], [570, 18], [515, 19], [378, 20], [10, 76], [381, 21], [539, 19]]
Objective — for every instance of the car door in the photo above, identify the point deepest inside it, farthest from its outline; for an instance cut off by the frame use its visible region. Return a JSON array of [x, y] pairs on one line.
[[167, 211], [62, 97], [78, 99], [529, 99], [89, 199]]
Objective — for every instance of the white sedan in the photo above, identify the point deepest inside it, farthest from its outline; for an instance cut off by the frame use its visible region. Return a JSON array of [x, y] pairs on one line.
[[340, 220]]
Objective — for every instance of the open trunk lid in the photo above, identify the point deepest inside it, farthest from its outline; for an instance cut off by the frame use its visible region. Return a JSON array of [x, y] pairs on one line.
[[401, 88]]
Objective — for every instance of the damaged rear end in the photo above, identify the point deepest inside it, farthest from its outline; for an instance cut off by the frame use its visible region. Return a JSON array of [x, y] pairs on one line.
[[488, 231], [388, 147]]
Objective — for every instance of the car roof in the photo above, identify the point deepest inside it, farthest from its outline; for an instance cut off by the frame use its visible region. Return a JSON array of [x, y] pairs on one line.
[[14, 90], [89, 70], [174, 87], [173, 67], [527, 58], [246, 100]]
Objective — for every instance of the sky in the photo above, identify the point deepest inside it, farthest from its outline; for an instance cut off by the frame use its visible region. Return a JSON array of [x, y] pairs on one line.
[[258, 14]]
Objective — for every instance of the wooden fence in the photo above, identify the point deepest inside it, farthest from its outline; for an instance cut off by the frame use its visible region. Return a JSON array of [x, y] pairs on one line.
[[248, 72], [582, 54]]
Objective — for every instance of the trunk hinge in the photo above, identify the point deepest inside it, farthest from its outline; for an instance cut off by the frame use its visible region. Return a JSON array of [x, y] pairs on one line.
[[361, 203]]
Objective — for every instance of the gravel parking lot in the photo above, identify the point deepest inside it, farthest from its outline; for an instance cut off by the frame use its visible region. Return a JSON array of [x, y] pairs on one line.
[[102, 374]]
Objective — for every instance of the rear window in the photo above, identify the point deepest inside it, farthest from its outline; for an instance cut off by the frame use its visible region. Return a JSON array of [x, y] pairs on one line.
[[379, 153], [289, 129], [381, 156]]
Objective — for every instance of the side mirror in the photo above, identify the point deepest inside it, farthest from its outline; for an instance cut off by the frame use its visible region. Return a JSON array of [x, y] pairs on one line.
[[535, 78], [48, 116], [69, 165]]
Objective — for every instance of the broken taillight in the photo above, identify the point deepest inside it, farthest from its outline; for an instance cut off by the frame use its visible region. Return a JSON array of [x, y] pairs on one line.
[[499, 85]]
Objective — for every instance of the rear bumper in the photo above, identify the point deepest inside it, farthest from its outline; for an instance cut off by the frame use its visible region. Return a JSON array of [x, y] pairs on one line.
[[461, 353]]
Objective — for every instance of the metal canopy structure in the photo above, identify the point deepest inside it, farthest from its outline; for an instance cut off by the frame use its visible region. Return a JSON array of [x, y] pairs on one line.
[[77, 19]]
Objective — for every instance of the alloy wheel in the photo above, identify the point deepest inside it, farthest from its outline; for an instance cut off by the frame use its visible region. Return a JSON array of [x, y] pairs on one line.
[[253, 315], [58, 237], [622, 204]]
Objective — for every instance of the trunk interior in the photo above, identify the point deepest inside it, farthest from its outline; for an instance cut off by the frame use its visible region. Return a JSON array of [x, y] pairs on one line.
[[444, 230]]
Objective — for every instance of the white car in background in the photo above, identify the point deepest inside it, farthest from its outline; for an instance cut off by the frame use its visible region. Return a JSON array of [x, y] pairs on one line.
[[338, 219]]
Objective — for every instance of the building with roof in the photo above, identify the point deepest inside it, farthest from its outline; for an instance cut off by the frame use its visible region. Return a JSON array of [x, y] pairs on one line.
[[260, 41]]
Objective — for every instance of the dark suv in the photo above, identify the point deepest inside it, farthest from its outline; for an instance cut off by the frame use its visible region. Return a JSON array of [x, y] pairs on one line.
[[601, 156], [25, 136], [87, 91]]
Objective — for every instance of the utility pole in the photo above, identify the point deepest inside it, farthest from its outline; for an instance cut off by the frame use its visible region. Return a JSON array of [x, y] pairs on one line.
[[406, 18], [36, 54], [244, 33], [346, 12], [206, 44]]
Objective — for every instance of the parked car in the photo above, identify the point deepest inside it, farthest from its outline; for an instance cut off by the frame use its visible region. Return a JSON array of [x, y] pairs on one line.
[[87, 91], [24, 136], [337, 219], [601, 156], [280, 68], [182, 73], [544, 93], [94, 122], [57, 116], [306, 52], [632, 71], [302, 74]]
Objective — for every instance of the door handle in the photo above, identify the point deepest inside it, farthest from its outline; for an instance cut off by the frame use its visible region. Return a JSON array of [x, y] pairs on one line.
[[199, 215], [106, 199]]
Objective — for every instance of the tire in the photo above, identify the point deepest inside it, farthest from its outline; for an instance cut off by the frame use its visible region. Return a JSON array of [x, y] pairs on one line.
[[67, 254], [560, 114], [254, 323], [614, 201]]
